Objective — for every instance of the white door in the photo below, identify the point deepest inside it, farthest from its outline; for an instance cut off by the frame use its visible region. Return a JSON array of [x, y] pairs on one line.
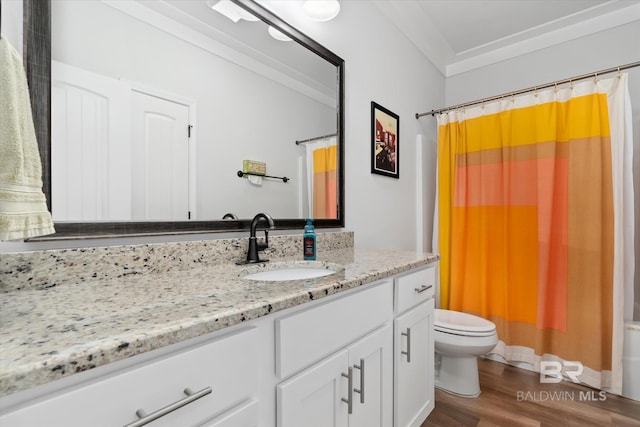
[[160, 159], [371, 358], [313, 398], [90, 141], [413, 362]]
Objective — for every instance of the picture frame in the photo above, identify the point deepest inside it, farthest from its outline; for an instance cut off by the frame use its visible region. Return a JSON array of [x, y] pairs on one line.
[[385, 142]]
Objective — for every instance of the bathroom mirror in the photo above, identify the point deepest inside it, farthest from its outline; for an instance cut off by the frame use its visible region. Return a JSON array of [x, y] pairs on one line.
[[294, 92]]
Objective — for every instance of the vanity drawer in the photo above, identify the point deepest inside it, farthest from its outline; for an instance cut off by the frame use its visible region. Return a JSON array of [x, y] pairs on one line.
[[245, 415], [227, 365], [414, 287], [307, 336]]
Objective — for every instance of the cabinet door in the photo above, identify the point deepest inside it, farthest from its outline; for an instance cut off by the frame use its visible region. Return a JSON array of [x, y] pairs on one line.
[[371, 358], [413, 365], [313, 398]]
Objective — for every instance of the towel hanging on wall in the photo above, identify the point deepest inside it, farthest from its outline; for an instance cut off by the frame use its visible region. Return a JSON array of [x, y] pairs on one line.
[[253, 168], [23, 206]]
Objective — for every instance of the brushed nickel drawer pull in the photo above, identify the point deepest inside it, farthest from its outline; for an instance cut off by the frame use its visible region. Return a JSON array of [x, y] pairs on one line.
[[408, 352], [147, 418], [349, 400], [423, 288], [361, 389]]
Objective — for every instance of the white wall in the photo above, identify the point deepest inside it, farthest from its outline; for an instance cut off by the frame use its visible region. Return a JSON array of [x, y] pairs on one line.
[[607, 49]]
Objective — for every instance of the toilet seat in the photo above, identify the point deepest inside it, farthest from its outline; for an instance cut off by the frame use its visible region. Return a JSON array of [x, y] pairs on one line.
[[458, 323]]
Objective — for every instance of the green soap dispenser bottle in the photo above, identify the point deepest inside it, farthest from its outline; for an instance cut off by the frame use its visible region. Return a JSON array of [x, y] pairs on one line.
[[309, 241]]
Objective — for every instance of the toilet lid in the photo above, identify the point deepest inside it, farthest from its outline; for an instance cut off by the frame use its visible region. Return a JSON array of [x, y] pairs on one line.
[[462, 323]]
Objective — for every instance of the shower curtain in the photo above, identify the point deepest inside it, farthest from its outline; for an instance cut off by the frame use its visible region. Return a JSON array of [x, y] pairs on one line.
[[535, 212], [322, 184]]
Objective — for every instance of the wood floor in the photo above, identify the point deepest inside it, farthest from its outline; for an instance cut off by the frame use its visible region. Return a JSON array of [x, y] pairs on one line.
[[514, 397]]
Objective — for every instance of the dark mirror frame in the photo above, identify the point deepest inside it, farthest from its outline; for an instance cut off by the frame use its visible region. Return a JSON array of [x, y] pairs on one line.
[[37, 59]]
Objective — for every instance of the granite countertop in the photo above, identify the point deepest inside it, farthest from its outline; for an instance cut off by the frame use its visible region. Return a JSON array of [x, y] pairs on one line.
[[55, 332]]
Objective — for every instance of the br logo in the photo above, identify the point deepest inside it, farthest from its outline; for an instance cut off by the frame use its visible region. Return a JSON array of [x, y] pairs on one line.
[[552, 371]]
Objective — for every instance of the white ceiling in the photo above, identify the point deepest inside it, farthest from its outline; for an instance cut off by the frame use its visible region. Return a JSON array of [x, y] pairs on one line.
[[460, 35]]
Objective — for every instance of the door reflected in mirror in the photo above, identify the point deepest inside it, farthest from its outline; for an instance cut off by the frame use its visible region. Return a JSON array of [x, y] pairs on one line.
[[156, 105]]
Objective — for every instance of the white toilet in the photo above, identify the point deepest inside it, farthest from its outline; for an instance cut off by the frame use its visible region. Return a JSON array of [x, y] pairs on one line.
[[459, 339]]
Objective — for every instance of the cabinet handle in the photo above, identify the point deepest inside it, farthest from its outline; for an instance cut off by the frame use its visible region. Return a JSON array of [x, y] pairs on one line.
[[349, 400], [145, 418], [408, 352], [360, 390], [423, 288]]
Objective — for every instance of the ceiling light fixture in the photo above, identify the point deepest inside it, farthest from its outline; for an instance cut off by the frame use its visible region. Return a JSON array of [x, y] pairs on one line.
[[276, 34], [322, 10], [231, 10]]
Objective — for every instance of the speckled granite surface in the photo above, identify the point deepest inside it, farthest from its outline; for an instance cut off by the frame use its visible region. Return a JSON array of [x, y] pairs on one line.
[[49, 332], [45, 269]]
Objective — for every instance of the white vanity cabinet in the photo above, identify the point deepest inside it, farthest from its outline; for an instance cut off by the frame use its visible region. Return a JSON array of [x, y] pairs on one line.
[[414, 392], [223, 372], [361, 358], [352, 385], [349, 388]]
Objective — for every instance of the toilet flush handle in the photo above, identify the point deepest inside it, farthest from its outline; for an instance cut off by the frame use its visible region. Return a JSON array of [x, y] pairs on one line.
[[408, 352]]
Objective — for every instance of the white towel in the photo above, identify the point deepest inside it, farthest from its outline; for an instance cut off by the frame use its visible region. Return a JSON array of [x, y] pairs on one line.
[[23, 207], [255, 180]]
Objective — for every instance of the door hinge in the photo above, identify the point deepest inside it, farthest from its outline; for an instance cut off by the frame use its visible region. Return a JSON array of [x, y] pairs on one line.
[[189, 131]]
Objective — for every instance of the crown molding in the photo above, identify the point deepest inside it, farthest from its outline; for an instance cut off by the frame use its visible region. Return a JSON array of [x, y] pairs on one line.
[[417, 26], [470, 60]]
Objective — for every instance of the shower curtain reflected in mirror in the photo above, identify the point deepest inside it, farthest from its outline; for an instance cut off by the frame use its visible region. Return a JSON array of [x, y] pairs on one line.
[[322, 184], [535, 211]]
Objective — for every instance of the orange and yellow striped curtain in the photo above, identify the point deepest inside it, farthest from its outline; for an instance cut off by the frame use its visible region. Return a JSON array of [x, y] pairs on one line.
[[325, 184], [526, 222]]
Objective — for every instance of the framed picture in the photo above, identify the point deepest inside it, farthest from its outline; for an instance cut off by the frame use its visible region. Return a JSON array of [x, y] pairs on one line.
[[385, 142]]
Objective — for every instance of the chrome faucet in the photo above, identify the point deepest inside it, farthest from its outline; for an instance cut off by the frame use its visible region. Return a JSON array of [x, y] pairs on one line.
[[254, 246]]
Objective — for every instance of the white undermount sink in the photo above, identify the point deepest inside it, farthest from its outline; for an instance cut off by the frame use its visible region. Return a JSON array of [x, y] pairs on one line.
[[290, 272]]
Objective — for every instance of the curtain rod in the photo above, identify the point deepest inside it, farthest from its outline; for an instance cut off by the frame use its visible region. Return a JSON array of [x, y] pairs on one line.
[[302, 141], [530, 89]]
